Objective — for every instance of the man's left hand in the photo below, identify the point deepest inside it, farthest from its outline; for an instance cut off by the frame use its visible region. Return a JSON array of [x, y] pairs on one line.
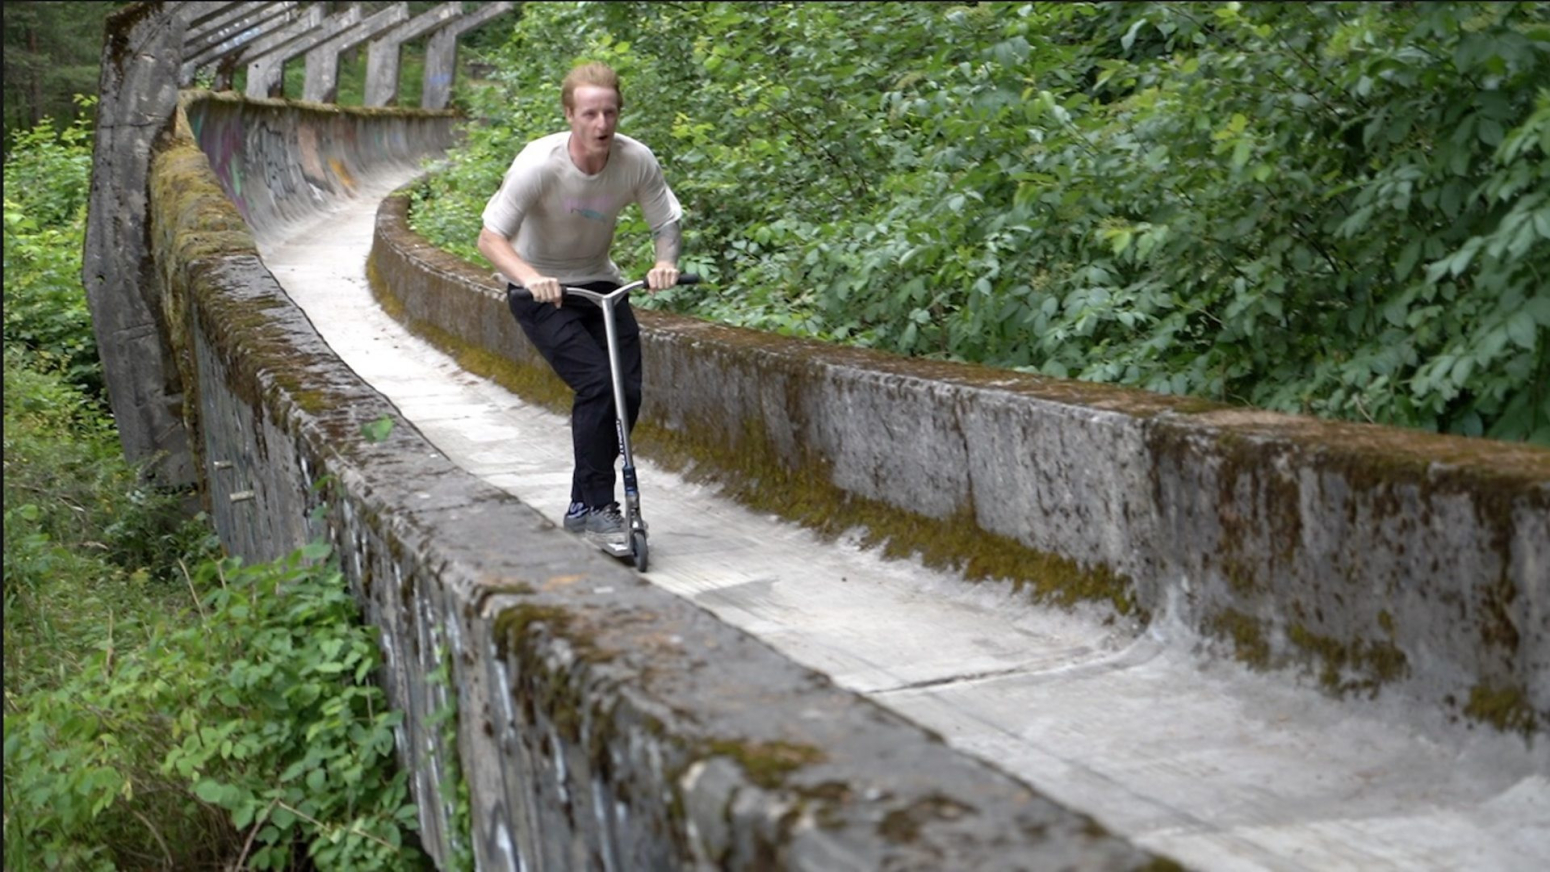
[[661, 276]]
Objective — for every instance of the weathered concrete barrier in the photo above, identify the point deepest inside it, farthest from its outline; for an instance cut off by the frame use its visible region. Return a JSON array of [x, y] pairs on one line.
[[600, 722], [283, 163], [1373, 556]]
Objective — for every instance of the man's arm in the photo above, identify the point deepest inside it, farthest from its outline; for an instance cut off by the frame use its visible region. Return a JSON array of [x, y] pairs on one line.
[[498, 251], [669, 240]]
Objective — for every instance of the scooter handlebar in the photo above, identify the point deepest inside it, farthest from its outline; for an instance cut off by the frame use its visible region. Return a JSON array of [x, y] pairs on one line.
[[683, 279]]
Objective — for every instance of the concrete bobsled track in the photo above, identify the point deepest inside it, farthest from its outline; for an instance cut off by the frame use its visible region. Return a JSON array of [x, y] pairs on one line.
[[901, 614]]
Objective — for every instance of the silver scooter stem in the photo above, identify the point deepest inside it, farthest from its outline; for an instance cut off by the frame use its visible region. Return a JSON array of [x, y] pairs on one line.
[[620, 409]]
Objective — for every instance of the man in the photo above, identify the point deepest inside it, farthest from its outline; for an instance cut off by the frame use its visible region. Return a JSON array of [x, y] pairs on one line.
[[551, 223]]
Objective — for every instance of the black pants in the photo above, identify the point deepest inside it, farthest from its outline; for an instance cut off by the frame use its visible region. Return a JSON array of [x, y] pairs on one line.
[[571, 338]]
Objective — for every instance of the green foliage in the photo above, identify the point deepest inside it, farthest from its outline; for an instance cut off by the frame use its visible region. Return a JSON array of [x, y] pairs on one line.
[[47, 177], [86, 538], [378, 430], [249, 732], [52, 52], [78, 498], [140, 733], [86, 550], [1340, 209]]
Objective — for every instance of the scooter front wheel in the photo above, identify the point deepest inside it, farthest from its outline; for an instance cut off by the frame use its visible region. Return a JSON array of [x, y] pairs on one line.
[[638, 549]]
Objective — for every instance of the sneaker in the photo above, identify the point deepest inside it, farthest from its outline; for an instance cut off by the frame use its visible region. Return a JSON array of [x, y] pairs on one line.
[[606, 524], [576, 518]]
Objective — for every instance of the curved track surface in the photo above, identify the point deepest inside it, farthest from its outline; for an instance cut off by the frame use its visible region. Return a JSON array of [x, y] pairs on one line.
[[1199, 759]]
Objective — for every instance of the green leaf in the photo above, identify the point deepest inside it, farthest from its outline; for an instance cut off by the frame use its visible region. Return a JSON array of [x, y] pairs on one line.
[[1462, 258], [1407, 259], [378, 430], [1521, 330], [243, 816], [210, 791], [1539, 308], [1241, 152]]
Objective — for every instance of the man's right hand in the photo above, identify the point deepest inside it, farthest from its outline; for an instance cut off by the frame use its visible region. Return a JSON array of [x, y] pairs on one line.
[[545, 289]]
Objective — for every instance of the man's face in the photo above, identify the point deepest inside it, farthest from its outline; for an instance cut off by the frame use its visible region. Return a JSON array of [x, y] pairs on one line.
[[593, 118]]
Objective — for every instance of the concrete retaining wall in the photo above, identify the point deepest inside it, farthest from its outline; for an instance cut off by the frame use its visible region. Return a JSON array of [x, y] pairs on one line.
[[281, 163], [600, 722], [1372, 557]]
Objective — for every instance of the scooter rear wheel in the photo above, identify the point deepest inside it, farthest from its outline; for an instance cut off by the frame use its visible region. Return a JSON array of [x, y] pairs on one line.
[[638, 549]]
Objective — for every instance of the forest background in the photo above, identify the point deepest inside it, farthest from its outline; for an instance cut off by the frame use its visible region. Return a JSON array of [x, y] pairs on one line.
[[1341, 209]]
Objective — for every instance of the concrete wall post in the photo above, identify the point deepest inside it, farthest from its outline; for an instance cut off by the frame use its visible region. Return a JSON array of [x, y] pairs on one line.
[[310, 19], [441, 55], [230, 23], [322, 83], [205, 23], [200, 54], [266, 72], [138, 93], [383, 55]]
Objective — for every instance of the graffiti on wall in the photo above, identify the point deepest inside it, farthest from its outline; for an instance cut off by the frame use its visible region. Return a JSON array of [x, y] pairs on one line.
[[266, 159]]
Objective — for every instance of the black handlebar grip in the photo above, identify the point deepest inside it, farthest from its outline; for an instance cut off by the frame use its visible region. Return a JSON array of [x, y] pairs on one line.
[[688, 278]]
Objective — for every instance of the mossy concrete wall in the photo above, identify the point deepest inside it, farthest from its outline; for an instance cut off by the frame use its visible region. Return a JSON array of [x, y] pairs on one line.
[[137, 93], [560, 712], [1372, 557]]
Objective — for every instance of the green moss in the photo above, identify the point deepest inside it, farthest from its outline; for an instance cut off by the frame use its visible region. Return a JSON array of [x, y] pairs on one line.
[[1389, 473], [559, 696], [826, 802], [512, 624], [487, 591], [1247, 635], [1506, 708], [1239, 578], [310, 401], [767, 764], [748, 470], [302, 107], [1351, 666], [902, 826], [1498, 629]]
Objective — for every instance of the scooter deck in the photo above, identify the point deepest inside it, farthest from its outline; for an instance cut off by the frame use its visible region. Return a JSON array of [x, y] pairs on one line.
[[616, 549]]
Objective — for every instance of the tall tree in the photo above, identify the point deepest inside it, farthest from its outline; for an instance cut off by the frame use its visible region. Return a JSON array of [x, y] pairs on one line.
[[52, 52]]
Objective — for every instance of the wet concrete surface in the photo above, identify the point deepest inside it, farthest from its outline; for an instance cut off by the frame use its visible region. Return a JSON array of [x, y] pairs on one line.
[[1190, 756]]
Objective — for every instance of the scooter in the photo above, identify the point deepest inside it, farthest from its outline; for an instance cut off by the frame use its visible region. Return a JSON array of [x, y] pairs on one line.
[[635, 548]]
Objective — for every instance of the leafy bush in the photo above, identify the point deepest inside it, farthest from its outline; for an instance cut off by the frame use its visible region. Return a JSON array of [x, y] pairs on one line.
[[141, 733], [47, 179], [252, 732], [1340, 209], [62, 457]]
